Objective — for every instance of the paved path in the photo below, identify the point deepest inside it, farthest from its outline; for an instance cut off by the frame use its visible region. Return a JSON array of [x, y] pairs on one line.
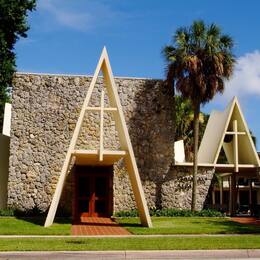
[[177, 254], [246, 220], [97, 226]]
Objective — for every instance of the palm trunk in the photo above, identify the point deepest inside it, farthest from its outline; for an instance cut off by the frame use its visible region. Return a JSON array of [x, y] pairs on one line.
[[171, 93], [195, 151], [174, 121]]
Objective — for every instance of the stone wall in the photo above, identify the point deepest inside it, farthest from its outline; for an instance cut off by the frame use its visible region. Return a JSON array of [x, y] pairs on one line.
[[45, 109]]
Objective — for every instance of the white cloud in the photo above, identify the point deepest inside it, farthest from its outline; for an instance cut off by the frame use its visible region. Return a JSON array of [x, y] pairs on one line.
[[83, 16], [75, 20], [246, 78]]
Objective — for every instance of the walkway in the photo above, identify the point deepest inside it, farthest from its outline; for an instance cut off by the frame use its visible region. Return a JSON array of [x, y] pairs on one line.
[[246, 220], [90, 226]]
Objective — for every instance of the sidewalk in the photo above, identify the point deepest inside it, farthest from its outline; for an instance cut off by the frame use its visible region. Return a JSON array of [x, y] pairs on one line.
[[177, 254]]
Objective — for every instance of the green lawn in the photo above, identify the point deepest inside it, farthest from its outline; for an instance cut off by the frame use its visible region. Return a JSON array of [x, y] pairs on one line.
[[161, 243], [188, 225], [176, 225], [33, 226], [161, 225]]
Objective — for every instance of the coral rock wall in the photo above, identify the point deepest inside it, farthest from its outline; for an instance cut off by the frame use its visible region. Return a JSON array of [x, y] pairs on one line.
[[45, 109]]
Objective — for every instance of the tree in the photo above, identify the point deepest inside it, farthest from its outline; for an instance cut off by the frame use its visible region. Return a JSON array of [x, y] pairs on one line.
[[199, 59], [184, 124], [13, 14]]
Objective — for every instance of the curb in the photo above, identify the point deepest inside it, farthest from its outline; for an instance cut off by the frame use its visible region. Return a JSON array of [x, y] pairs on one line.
[[168, 254]]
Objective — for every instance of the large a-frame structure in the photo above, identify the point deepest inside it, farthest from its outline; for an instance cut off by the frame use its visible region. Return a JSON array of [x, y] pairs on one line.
[[102, 156]]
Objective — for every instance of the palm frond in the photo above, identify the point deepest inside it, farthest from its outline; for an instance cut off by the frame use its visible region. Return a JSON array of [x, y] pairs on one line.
[[181, 38], [198, 30], [168, 51], [213, 31], [226, 41]]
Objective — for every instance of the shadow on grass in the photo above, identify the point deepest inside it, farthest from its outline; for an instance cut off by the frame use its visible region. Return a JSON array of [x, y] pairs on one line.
[[40, 220], [75, 242], [193, 226], [232, 227], [129, 224]]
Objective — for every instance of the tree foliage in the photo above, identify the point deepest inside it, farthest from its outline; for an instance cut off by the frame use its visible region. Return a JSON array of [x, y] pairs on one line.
[[184, 124], [199, 59], [13, 24]]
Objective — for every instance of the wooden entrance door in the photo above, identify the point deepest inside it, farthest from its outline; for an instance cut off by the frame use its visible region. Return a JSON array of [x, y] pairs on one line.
[[93, 190]]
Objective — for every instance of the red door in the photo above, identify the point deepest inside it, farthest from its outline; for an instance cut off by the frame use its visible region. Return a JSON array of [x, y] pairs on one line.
[[93, 192]]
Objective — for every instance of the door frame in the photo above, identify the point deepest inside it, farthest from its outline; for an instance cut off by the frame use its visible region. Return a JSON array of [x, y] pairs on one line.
[[81, 170]]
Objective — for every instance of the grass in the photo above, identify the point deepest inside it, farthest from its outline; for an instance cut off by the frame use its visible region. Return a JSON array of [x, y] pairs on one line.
[[188, 225], [161, 225], [159, 243], [33, 226]]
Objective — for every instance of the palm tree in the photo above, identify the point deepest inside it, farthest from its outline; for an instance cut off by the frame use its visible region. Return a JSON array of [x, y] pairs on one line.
[[184, 124], [198, 61]]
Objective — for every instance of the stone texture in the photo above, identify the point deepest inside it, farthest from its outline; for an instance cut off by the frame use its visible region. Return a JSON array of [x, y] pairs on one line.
[[45, 109], [179, 185]]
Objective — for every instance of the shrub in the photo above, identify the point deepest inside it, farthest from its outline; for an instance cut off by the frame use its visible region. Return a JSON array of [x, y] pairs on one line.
[[7, 212], [34, 212], [127, 213], [173, 213]]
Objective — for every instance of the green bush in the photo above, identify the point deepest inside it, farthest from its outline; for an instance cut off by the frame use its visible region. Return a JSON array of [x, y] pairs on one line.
[[173, 213], [7, 212], [125, 213], [34, 212]]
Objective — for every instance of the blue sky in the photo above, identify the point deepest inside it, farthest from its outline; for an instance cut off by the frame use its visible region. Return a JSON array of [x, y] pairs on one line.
[[67, 37]]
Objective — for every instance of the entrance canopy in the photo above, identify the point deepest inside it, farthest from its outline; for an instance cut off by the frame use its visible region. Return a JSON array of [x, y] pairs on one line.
[[92, 157]]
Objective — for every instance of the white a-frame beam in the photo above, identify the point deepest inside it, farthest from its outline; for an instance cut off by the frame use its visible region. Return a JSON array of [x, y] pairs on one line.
[[104, 66]]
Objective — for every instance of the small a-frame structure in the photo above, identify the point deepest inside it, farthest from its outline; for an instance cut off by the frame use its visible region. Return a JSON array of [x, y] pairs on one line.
[[228, 129], [102, 156]]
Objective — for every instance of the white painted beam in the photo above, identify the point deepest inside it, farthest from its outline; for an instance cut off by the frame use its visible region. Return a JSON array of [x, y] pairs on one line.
[[97, 109], [235, 133], [7, 119], [101, 137], [235, 145]]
